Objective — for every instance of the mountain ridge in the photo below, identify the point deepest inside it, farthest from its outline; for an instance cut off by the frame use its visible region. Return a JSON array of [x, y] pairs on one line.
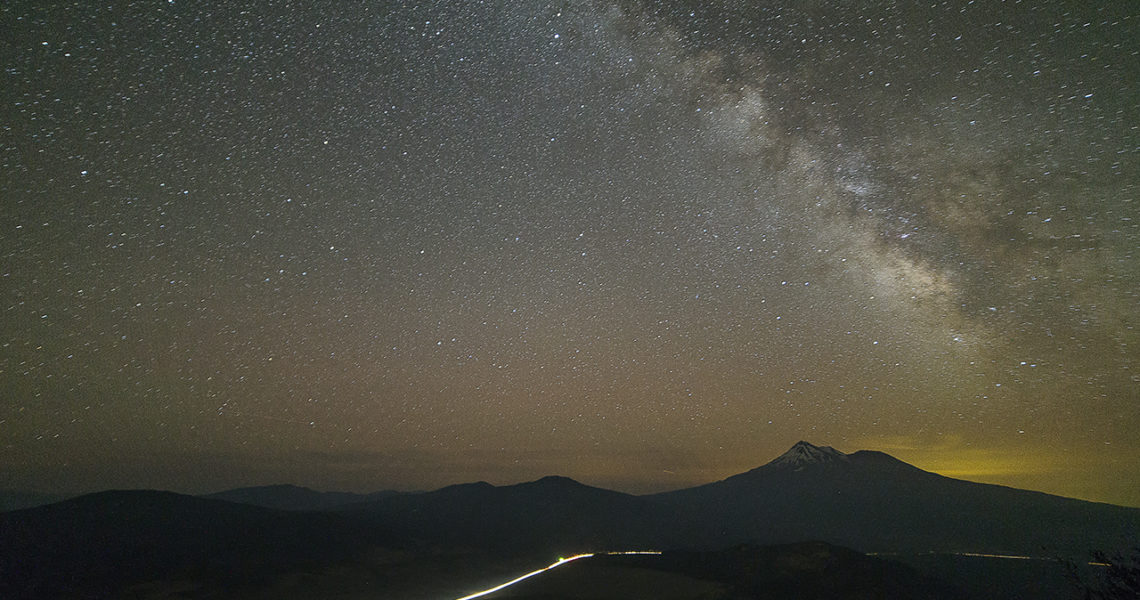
[[293, 497], [872, 501], [867, 501], [800, 455]]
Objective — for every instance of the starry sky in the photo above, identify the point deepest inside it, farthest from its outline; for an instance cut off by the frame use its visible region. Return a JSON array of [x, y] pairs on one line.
[[646, 245]]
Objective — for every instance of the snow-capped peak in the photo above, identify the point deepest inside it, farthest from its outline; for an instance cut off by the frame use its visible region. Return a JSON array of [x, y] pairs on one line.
[[803, 454]]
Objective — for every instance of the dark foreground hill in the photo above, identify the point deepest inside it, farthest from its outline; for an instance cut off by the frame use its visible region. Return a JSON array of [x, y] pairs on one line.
[[99, 544], [808, 571]]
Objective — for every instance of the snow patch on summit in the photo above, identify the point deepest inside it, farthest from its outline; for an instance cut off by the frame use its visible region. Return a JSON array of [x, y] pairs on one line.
[[803, 454]]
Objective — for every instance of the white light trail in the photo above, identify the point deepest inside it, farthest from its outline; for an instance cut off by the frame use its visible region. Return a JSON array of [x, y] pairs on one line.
[[561, 561], [985, 555]]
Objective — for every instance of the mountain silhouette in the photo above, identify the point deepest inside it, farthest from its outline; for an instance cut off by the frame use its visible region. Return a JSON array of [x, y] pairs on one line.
[[555, 514], [292, 497], [102, 544], [17, 499], [872, 501]]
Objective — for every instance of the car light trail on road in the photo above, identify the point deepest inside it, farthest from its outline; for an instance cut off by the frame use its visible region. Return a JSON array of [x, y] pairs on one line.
[[985, 555], [559, 563]]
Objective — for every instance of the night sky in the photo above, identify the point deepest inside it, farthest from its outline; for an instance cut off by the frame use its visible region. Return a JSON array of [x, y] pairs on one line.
[[400, 245]]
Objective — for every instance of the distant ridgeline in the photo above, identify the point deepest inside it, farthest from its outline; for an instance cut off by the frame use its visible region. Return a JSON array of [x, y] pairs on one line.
[[104, 543]]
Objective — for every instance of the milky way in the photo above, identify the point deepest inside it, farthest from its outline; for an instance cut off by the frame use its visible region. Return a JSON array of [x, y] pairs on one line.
[[400, 245]]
